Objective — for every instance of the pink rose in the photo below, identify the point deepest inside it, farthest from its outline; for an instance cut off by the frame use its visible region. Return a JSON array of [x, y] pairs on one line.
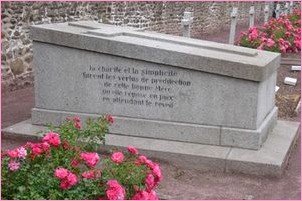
[[52, 139], [298, 43], [12, 153], [88, 174], [61, 173], [282, 48], [157, 173], [142, 159], [152, 195], [144, 195], [72, 179], [253, 33], [67, 181], [77, 125], [117, 157], [115, 191], [37, 149], [270, 42], [260, 47], [150, 182], [109, 119], [45, 146], [132, 150], [149, 163], [13, 165], [90, 158], [141, 195], [64, 184], [22, 153], [77, 119]]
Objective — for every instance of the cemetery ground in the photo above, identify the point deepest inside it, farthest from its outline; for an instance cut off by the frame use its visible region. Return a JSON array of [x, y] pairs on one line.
[[180, 183]]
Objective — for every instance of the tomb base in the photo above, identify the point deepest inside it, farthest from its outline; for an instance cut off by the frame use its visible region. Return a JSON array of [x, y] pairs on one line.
[[168, 130], [270, 159]]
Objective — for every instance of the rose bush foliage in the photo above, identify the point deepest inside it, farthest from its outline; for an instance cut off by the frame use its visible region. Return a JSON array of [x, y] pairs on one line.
[[277, 35], [59, 167]]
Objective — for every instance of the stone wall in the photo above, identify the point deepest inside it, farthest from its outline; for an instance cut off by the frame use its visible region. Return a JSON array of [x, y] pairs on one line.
[[165, 17]]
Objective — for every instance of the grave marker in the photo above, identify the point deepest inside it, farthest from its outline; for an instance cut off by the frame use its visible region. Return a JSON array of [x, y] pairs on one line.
[[286, 8], [233, 25], [251, 16], [266, 13], [277, 11], [186, 24], [291, 7]]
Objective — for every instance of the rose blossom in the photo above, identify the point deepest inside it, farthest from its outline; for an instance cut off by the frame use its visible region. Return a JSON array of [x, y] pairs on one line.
[[270, 42], [144, 195], [64, 184], [157, 172], [69, 181], [52, 139], [117, 157], [12, 153], [141, 160], [109, 118], [39, 148], [72, 179], [152, 195], [22, 153], [77, 119], [61, 173], [132, 150], [88, 174], [13, 165], [149, 163], [298, 43], [90, 158], [150, 182], [115, 191], [77, 125], [253, 33]]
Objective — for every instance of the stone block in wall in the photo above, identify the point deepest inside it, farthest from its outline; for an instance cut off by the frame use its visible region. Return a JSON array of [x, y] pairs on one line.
[[17, 66]]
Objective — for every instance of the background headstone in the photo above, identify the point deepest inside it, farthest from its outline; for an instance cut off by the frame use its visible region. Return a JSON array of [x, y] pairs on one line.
[[234, 14], [252, 16]]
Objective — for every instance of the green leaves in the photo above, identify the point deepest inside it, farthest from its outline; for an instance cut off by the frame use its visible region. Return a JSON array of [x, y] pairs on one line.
[[35, 178]]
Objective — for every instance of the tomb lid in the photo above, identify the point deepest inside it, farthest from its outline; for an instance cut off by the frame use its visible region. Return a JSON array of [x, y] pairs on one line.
[[182, 52]]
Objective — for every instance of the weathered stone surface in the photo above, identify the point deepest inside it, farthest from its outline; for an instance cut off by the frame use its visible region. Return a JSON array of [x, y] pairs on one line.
[[271, 158], [219, 94], [246, 138], [17, 66], [160, 48]]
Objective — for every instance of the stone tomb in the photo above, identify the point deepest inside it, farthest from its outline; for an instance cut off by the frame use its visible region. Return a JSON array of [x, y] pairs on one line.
[[171, 96]]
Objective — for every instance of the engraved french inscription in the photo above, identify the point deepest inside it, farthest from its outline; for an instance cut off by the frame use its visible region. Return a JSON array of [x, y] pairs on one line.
[[135, 86]]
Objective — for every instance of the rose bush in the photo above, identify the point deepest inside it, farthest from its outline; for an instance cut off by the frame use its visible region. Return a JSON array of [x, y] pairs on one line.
[[277, 35], [59, 167]]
